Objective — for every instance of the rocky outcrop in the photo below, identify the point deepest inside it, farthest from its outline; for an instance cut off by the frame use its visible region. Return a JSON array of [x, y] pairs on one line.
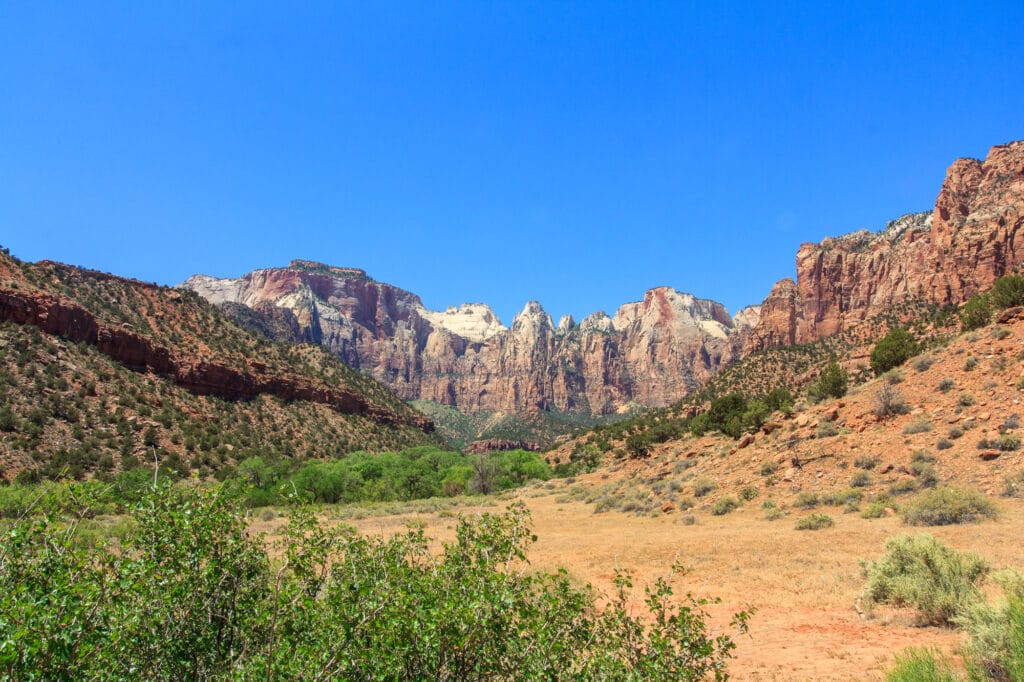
[[941, 257], [651, 352], [69, 320], [480, 447]]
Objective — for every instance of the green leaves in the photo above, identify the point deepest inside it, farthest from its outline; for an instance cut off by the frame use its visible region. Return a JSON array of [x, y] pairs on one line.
[[190, 594]]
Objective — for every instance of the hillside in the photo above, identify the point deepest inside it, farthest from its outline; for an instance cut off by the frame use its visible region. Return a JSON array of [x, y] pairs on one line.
[[100, 372]]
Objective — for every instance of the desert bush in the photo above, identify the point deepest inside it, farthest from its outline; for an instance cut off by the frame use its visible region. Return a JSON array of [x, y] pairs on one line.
[[921, 665], [874, 510], [996, 647], [919, 425], [948, 505], [1000, 333], [970, 363], [1007, 292], [703, 486], [831, 384], [768, 468], [893, 376], [815, 522], [826, 429], [807, 500], [192, 595], [922, 363], [943, 444], [965, 400], [892, 350], [772, 511], [724, 505], [845, 496], [976, 313], [903, 487], [955, 432], [748, 494], [946, 385], [866, 462], [1013, 485], [1009, 442], [920, 572], [888, 401], [861, 479]]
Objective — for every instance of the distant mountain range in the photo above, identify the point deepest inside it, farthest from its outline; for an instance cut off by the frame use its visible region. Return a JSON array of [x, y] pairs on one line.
[[653, 352]]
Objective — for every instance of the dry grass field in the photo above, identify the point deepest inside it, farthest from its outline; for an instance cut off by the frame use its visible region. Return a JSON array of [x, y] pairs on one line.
[[804, 585]]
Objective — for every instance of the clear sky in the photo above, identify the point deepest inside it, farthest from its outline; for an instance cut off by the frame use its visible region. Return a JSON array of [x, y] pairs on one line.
[[575, 153]]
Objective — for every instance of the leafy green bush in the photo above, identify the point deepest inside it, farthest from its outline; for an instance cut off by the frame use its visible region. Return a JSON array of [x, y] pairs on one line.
[[807, 500], [747, 494], [892, 350], [920, 572], [996, 648], [831, 384], [815, 522], [1007, 292], [948, 505], [192, 595], [976, 313]]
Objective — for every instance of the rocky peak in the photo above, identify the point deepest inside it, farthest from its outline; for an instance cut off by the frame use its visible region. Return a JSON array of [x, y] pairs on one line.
[[565, 323], [473, 321], [941, 257], [532, 320]]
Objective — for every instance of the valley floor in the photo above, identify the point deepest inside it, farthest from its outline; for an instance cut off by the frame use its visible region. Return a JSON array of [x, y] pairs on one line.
[[804, 585]]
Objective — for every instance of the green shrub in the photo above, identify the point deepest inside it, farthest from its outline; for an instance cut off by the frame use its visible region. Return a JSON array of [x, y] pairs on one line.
[[1007, 292], [702, 486], [920, 572], [1013, 485], [946, 385], [976, 313], [748, 494], [970, 363], [724, 505], [948, 505], [874, 510], [861, 479], [892, 350], [831, 384], [866, 462], [921, 665], [919, 425], [1009, 442], [996, 647], [192, 595], [807, 500], [826, 429], [922, 363], [815, 522]]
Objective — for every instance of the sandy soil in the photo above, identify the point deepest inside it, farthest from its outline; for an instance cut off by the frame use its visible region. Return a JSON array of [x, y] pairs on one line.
[[803, 584]]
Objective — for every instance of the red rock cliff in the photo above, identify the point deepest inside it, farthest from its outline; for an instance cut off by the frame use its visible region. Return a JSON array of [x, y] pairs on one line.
[[944, 257]]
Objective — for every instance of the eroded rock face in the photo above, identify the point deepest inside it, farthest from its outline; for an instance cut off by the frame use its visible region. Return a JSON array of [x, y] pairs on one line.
[[651, 352], [943, 256]]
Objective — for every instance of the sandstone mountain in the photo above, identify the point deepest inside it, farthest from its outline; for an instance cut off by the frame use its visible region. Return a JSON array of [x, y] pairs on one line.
[[650, 353], [940, 257]]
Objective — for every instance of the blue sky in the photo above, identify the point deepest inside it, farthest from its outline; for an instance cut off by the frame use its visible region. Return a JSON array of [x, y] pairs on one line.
[[572, 153]]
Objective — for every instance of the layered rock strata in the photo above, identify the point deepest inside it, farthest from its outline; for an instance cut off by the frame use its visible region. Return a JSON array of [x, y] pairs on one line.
[[943, 256], [651, 352]]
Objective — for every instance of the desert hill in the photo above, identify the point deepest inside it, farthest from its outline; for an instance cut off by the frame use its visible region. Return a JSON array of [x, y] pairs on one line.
[[99, 372]]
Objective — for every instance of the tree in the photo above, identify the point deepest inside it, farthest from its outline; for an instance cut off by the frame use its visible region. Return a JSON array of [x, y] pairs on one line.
[[893, 350], [831, 384]]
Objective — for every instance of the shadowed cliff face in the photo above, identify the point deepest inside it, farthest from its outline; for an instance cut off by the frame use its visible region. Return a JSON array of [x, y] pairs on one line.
[[943, 256], [651, 352]]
